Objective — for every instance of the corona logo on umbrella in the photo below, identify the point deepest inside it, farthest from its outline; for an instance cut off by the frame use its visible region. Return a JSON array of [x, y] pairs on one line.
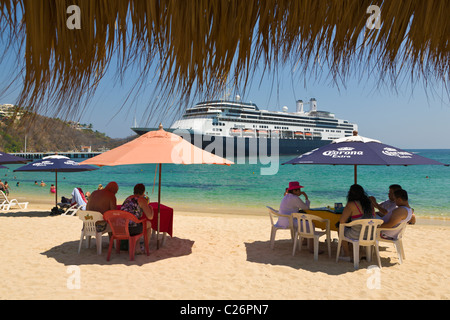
[[345, 152], [391, 152], [42, 164]]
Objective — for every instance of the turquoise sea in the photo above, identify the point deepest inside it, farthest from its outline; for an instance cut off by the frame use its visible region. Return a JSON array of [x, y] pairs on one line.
[[241, 188]]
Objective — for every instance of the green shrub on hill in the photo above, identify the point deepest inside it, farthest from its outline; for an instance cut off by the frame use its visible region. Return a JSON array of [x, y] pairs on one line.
[[44, 134]]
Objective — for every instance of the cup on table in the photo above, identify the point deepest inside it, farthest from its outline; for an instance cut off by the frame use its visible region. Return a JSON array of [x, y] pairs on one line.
[[338, 207]]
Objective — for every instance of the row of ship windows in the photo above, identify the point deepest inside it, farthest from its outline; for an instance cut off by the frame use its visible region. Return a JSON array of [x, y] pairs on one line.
[[256, 114], [284, 119], [327, 130], [343, 126], [254, 119], [253, 114], [287, 128], [320, 124]]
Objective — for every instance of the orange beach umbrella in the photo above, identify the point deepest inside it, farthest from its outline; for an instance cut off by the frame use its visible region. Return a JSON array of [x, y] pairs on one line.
[[157, 147]]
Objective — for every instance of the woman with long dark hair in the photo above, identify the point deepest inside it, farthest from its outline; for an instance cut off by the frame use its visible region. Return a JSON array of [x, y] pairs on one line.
[[358, 207]]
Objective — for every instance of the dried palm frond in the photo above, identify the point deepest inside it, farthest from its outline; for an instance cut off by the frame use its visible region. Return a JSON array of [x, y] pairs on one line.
[[194, 47]]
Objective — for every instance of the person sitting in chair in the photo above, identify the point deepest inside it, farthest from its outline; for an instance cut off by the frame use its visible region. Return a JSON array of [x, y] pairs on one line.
[[137, 204], [386, 207], [102, 201], [292, 203], [359, 206], [403, 213]]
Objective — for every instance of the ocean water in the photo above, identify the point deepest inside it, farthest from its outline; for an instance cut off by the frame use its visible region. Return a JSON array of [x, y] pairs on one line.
[[241, 188]]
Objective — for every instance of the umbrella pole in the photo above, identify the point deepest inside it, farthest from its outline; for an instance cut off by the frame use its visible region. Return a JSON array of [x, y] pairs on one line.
[[56, 187], [159, 206], [355, 174]]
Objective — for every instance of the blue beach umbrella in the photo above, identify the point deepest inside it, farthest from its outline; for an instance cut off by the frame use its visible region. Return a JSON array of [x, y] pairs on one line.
[[357, 150], [56, 163], [6, 158]]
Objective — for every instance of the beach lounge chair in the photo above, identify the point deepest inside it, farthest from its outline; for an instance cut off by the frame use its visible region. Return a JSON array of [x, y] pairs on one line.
[[72, 210], [274, 213], [398, 243], [367, 238], [89, 219], [119, 220], [6, 203], [306, 229], [78, 202]]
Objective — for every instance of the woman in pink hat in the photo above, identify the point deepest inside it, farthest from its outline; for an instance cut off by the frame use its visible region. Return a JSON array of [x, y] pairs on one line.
[[292, 203]]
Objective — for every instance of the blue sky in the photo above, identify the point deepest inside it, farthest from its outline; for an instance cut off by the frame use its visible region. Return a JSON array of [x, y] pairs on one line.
[[406, 118]]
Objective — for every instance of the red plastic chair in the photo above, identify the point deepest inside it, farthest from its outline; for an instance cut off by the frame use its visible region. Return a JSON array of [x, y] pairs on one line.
[[119, 222]]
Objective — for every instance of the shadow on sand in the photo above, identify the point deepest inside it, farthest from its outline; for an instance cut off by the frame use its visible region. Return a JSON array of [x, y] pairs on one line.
[[67, 253], [29, 214], [281, 255]]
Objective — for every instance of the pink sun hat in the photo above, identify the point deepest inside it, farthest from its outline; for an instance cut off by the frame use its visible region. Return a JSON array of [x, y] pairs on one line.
[[294, 185]]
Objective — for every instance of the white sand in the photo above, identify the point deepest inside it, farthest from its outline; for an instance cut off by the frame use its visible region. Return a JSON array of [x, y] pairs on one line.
[[211, 256]]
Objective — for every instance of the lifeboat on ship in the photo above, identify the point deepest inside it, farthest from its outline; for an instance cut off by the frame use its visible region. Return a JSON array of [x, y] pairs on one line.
[[263, 133], [248, 133], [298, 134], [235, 132]]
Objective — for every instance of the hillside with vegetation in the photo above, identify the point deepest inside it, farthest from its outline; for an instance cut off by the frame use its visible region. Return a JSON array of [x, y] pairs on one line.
[[52, 135]]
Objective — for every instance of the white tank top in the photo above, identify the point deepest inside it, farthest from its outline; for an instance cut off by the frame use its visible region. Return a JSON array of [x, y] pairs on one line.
[[394, 234]]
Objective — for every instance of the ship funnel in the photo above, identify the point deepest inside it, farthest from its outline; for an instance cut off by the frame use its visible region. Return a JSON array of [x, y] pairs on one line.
[[299, 106], [313, 104]]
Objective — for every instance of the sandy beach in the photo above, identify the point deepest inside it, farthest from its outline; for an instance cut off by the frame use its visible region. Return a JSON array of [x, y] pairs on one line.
[[211, 256]]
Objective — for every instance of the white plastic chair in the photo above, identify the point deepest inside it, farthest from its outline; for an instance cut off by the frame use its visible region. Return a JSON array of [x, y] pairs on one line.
[[274, 213], [306, 229], [398, 243], [7, 203], [369, 228], [89, 219]]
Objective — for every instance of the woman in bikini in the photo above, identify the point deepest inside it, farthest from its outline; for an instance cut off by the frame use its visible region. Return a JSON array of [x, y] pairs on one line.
[[358, 207]]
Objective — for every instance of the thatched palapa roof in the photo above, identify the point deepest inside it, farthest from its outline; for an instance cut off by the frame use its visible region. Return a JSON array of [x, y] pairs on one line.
[[192, 46]]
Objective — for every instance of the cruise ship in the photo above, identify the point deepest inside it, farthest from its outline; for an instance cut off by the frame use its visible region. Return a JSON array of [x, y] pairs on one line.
[[225, 126]]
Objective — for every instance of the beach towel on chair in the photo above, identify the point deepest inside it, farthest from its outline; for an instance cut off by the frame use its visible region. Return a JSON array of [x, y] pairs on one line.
[[78, 198]]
